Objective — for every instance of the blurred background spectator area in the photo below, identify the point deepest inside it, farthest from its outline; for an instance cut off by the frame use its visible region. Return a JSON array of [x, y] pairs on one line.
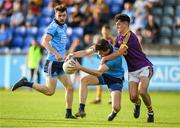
[[156, 22]]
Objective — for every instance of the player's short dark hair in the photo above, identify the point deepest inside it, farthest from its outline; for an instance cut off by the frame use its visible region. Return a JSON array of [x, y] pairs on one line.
[[122, 18], [103, 45], [60, 8]]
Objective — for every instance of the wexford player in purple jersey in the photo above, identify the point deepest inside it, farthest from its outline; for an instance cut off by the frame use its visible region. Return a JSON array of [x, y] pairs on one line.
[[140, 68]]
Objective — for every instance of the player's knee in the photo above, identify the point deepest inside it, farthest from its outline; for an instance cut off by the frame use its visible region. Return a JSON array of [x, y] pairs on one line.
[[84, 81], [50, 92], [142, 92], [69, 88], [133, 98]]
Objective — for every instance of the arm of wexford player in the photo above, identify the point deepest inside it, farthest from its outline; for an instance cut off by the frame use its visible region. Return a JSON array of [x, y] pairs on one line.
[[116, 54], [122, 49], [45, 43]]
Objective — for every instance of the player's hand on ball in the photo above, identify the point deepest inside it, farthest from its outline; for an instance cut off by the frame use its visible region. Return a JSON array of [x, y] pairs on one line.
[[67, 66], [69, 56], [74, 65]]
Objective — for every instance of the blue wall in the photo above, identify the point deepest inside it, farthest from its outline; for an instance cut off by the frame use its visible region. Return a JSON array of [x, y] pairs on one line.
[[166, 71]]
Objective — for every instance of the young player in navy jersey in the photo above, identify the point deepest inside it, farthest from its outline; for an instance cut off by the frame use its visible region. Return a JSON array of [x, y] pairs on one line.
[[54, 40], [140, 68], [110, 73]]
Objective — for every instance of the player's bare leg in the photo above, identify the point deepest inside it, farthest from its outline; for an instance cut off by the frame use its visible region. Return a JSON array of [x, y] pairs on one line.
[[116, 104], [134, 97], [83, 92], [143, 91], [65, 80], [98, 95], [47, 89]]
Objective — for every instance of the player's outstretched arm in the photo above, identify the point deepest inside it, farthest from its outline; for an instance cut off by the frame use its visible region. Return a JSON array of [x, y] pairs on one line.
[[81, 53]]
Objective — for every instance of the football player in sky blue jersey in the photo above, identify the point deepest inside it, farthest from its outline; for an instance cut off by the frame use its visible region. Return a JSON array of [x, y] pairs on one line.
[[54, 40], [106, 34], [110, 73], [140, 68]]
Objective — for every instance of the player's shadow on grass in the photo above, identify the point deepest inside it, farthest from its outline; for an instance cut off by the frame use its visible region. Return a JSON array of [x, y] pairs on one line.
[[79, 121]]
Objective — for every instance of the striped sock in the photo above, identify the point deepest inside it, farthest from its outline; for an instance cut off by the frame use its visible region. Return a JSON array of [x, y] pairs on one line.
[[138, 102], [150, 110]]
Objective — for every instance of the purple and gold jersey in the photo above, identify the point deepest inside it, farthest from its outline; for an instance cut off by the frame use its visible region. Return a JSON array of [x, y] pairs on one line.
[[134, 55]]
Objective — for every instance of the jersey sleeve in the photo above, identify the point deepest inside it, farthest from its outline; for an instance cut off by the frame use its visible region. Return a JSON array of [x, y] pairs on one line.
[[110, 63], [51, 30]]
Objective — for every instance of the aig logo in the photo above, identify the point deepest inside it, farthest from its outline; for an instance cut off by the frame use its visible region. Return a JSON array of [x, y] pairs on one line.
[[167, 73]]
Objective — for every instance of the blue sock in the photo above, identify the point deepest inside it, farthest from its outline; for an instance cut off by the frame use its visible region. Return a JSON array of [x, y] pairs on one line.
[[69, 111], [81, 107]]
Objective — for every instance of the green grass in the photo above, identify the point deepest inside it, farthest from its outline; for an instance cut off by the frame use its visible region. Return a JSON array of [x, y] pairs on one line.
[[26, 108]]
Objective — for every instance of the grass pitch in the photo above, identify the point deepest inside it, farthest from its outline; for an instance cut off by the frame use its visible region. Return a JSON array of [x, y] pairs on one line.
[[27, 108]]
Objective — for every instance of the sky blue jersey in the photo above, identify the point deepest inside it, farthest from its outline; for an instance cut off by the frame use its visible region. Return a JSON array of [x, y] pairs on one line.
[[115, 67], [59, 39]]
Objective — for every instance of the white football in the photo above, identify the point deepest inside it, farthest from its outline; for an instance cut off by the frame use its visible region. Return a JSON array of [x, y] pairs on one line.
[[66, 65]]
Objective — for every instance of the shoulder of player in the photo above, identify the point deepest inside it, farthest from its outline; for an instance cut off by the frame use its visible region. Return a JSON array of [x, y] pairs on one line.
[[132, 34], [129, 36], [115, 60], [53, 25]]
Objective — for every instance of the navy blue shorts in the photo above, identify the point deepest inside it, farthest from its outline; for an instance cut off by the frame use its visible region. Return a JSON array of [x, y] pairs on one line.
[[53, 68], [114, 84]]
